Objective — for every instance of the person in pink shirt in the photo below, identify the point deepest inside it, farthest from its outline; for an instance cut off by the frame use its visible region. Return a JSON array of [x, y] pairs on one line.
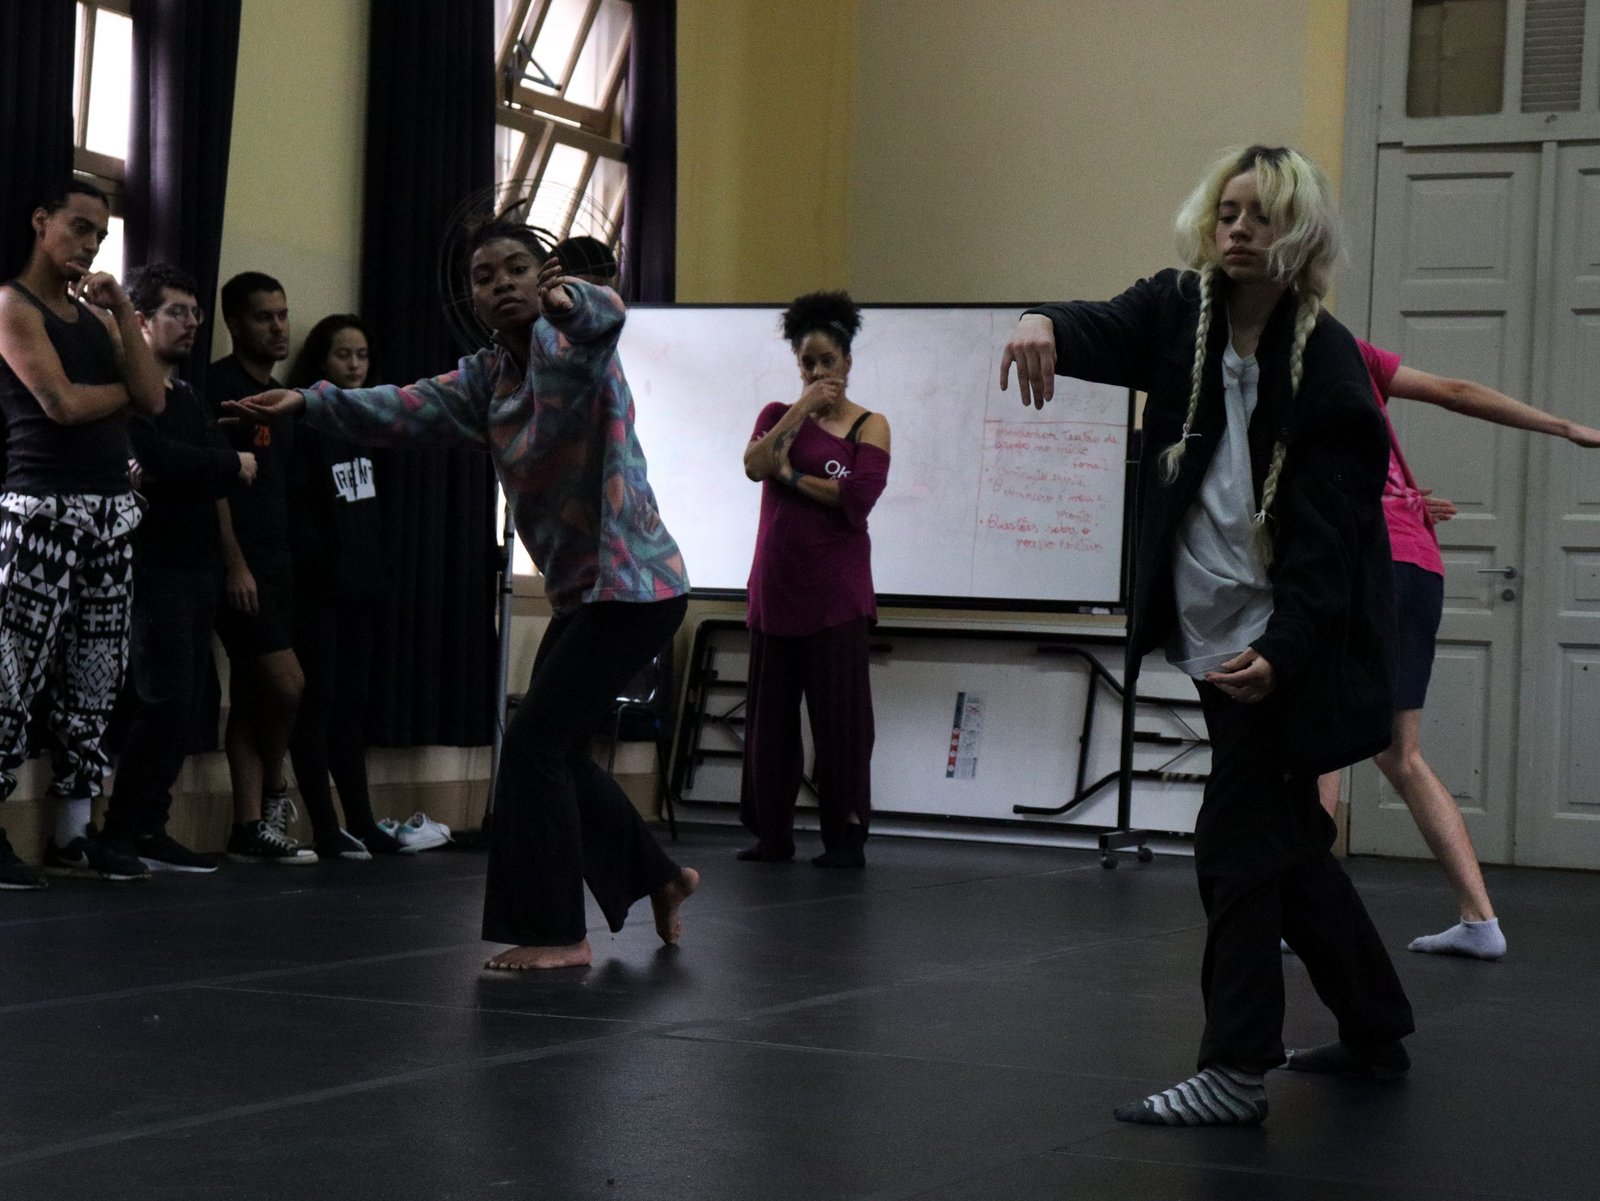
[[822, 462], [1412, 512]]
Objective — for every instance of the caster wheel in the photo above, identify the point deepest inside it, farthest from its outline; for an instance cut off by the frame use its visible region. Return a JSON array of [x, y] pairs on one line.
[[1108, 861], [1146, 854]]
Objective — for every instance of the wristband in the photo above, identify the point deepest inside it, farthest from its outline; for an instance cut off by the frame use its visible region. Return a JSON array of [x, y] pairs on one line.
[[794, 477]]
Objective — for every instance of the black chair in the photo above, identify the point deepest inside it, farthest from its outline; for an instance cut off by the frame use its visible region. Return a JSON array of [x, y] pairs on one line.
[[642, 712]]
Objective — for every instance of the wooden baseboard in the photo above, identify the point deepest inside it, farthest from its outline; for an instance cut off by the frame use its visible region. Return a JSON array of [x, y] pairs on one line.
[[201, 820]]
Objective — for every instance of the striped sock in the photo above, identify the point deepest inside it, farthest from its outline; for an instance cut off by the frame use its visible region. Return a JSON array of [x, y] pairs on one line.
[[1216, 1096]]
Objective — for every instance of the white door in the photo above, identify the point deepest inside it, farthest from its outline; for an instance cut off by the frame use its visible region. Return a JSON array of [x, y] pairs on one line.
[[1453, 293], [1558, 806]]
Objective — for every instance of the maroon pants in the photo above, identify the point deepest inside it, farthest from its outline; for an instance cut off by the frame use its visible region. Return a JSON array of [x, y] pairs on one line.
[[829, 669]]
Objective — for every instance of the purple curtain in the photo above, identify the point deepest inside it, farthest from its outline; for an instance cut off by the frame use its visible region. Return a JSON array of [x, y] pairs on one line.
[[185, 58], [36, 62], [650, 128], [430, 145]]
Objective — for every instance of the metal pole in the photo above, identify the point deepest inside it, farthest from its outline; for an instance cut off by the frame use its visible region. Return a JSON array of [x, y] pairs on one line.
[[508, 541]]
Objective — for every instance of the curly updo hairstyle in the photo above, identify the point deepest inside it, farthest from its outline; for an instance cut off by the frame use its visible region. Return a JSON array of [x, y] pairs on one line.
[[831, 313]]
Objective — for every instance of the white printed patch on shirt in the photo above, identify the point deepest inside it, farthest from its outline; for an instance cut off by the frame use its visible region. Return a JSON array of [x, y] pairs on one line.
[[353, 480]]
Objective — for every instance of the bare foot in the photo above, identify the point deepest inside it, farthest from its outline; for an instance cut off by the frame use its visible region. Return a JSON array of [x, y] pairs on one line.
[[532, 959], [668, 899]]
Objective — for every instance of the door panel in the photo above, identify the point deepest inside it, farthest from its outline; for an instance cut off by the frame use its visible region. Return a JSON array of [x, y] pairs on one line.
[[1558, 811], [1453, 290]]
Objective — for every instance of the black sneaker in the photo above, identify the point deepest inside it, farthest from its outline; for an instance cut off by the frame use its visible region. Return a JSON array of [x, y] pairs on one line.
[[257, 842], [15, 874], [341, 845], [91, 856], [380, 842], [164, 853]]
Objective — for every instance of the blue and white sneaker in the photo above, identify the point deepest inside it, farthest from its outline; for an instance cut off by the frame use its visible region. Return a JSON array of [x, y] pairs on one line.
[[421, 833]]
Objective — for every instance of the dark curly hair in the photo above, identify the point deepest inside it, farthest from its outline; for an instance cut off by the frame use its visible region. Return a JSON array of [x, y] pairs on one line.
[[144, 285], [492, 231], [310, 365], [831, 313]]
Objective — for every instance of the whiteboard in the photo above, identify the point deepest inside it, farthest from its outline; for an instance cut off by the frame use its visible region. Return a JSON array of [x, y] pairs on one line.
[[987, 500]]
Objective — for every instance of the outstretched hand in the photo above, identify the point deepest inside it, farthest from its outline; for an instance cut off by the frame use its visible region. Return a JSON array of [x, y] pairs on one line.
[[1583, 435], [263, 408], [1246, 677], [1437, 508], [1033, 349], [553, 295]]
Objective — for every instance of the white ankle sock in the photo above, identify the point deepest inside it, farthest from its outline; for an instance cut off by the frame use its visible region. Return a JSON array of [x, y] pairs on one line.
[[1478, 940], [73, 815]]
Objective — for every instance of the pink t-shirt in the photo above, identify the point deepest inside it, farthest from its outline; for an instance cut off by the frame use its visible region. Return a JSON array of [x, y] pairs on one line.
[[1411, 536], [813, 562]]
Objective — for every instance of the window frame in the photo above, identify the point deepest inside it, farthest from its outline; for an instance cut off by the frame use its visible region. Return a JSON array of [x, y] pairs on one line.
[[105, 171], [547, 120]]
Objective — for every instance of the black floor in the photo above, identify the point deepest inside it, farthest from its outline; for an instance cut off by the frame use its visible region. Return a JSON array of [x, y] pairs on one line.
[[954, 1023]]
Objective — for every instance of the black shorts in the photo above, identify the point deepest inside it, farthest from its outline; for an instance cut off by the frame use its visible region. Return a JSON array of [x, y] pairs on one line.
[[1418, 606], [271, 627]]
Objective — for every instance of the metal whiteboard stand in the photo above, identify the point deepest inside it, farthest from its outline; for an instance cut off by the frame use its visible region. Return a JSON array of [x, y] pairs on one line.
[[1125, 836], [502, 703]]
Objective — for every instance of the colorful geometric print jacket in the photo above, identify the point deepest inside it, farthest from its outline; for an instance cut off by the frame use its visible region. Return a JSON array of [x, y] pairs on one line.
[[562, 440]]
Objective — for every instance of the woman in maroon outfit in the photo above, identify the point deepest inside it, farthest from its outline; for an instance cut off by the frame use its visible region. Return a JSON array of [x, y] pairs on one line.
[[822, 463]]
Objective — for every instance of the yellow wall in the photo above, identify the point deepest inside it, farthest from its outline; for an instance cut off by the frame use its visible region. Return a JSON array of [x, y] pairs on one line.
[[295, 170], [1038, 148], [941, 150], [765, 109]]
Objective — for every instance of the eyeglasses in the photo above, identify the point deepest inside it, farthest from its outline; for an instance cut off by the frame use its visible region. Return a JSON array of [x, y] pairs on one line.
[[179, 311]]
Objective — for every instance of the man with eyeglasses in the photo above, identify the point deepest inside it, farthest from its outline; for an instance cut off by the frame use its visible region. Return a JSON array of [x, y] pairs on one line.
[[185, 466]]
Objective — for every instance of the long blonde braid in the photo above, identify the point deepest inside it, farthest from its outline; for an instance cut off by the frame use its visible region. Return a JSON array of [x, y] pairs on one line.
[[1304, 322], [1172, 457]]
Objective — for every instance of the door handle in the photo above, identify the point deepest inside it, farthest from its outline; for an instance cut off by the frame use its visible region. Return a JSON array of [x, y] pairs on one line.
[[1510, 573]]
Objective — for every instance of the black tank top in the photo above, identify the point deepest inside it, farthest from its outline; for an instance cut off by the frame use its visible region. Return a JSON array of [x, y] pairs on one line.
[[44, 457]]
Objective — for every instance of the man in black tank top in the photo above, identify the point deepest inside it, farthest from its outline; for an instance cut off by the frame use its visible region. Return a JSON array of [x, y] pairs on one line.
[[69, 370]]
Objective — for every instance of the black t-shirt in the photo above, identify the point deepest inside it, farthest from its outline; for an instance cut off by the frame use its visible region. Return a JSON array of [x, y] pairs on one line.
[[335, 521], [187, 467], [261, 511], [44, 457]]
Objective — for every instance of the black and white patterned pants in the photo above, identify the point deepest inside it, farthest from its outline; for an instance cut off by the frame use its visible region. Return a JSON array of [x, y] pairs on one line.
[[66, 582]]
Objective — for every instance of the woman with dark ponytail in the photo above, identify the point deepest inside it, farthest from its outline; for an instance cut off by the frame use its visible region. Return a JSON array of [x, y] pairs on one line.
[[1262, 567], [822, 463]]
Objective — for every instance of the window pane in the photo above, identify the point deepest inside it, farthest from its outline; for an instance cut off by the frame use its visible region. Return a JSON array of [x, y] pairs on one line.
[[110, 256], [1458, 56], [557, 189], [508, 144], [77, 67], [111, 85], [609, 178], [594, 63], [550, 52]]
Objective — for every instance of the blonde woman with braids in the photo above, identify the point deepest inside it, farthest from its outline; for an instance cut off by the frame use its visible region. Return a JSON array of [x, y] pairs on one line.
[[1262, 567]]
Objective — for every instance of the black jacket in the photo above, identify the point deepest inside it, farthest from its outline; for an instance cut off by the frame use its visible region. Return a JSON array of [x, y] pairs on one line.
[[1331, 637]]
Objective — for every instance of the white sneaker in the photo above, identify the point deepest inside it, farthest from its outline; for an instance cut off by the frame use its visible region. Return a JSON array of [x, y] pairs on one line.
[[421, 833], [279, 811]]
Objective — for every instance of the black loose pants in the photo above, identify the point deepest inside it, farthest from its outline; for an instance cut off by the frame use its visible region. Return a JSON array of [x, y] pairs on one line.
[[561, 822], [1263, 855]]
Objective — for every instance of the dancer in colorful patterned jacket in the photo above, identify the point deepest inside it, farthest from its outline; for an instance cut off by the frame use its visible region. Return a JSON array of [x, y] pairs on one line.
[[551, 405]]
